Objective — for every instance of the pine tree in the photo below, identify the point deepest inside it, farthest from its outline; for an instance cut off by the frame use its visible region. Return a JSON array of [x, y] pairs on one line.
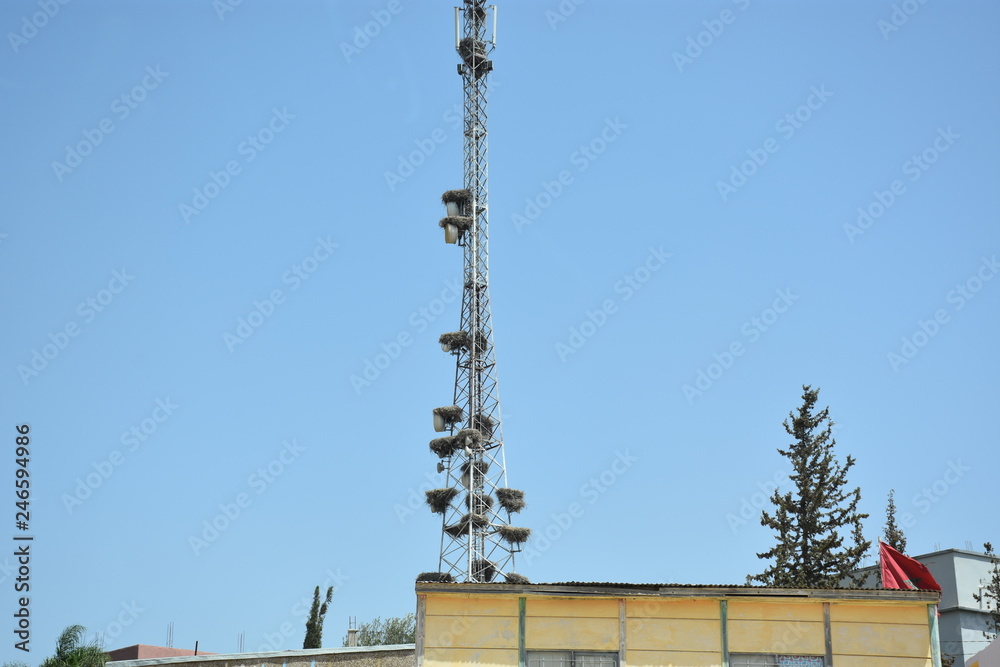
[[990, 594], [810, 550], [314, 624], [893, 534]]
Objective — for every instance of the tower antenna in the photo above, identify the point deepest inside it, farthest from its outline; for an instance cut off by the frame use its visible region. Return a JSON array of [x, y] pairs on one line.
[[478, 543]]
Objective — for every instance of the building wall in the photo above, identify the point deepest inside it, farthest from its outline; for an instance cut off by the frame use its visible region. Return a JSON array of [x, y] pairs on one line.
[[463, 626], [465, 629], [962, 618], [665, 632], [880, 635]]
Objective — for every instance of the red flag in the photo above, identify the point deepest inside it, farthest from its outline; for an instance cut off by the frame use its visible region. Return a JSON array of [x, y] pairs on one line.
[[899, 571]]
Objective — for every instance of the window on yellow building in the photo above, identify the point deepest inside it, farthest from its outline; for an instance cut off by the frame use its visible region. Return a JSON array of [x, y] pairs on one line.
[[773, 660], [571, 659]]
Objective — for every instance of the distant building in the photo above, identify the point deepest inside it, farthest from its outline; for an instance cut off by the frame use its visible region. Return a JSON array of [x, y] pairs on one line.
[[963, 620], [647, 625], [988, 657], [398, 655]]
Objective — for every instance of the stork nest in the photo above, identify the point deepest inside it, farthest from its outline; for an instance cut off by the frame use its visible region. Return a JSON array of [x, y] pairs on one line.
[[513, 534], [484, 424], [456, 197], [444, 447], [455, 340], [469, 437], [515, 578], [450, 413], [485, 568], [463, 222], [480, 503], [472, 50], [482, 467], [467, 521], [443, 577], [511, 500], [440, 499]]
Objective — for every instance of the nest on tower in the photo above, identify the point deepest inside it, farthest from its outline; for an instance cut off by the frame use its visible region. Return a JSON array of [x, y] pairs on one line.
[[486, 569], [444, 447], [515, 578], [461, 222], [440, 499], [473, 52], [513, 534], [466, 522], [454, 341], [470, 437], [484, 424], [477, 8], [479, 503], [511, 500], [443, 577], [460, 197], [482, 467], [451, 414]]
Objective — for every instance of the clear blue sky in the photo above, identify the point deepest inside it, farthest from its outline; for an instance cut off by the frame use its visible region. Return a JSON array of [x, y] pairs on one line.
[[698, 169]]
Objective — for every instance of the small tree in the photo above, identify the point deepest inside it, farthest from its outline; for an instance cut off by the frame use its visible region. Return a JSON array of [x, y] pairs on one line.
[[893, 534], [989, 595], [314, 624], [395, 630], [808, 521]]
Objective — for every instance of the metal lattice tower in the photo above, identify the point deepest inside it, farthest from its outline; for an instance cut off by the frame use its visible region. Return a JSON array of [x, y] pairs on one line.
[[477, 542]]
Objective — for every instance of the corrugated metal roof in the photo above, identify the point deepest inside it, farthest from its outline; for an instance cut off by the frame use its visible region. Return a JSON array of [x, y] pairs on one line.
[[569, 587], [611, 584]]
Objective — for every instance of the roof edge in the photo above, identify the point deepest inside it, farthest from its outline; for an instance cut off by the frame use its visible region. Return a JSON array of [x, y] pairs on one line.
[[600, 589], [242, 657]]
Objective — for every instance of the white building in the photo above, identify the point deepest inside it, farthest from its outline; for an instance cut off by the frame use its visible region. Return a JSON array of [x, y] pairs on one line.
[[961, 574]]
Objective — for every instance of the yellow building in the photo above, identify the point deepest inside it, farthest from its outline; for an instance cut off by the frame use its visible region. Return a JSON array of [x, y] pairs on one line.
[[644, 625]]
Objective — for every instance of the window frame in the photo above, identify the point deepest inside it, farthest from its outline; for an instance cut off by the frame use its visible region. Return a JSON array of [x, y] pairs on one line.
[[572, 655], [775, 657]]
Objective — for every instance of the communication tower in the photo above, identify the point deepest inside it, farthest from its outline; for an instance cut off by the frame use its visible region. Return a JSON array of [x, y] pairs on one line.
[[478, 543]]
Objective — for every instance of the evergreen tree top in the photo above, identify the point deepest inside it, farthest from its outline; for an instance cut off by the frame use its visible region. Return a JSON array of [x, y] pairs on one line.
[[812, 521]]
